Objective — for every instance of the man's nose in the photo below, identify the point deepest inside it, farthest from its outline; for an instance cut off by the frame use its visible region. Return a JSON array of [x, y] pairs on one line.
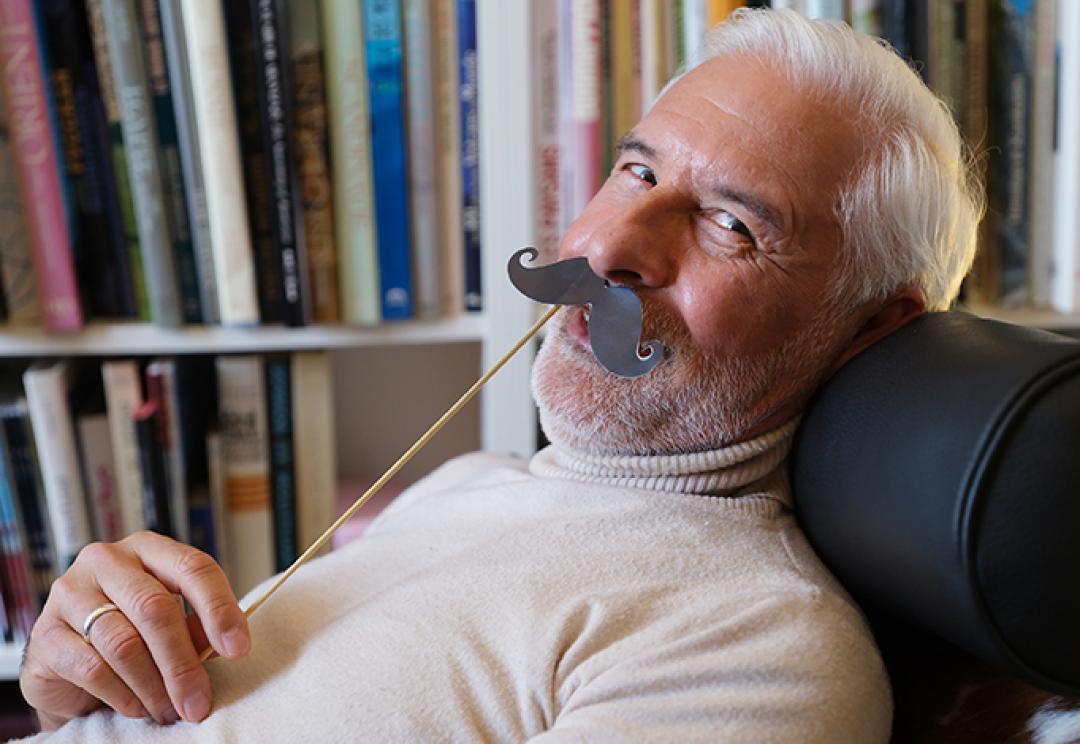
[[630, 247]]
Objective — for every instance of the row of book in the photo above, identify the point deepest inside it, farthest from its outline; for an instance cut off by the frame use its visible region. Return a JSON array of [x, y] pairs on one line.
[[232, 454], [194, 161], [1008, 69]]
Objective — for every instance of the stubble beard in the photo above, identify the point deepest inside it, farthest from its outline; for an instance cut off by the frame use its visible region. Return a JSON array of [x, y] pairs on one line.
[[691, 402]]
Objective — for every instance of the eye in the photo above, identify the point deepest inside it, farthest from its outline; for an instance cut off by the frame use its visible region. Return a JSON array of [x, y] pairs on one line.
[[728, 221], [643, 172]]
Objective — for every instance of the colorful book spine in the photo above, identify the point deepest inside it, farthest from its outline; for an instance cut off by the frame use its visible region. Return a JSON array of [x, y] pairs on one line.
[[120, 185], [311, 136], [350, 158], [625, 67], [315, 455], [21, 599], [279, 409], [123, 395], [242, 413], [172, 176], [448, 146], [16, 254], [38, 164], [54, 433], [99, 476], [470, 154], [382, 36], [545, 31], [423, 197], [148, 433], [586, 98], [219, 151], [144, 171]]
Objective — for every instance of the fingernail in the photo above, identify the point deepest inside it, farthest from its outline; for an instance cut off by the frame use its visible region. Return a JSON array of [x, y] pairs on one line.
[[196, 706], [236, 642], [169, 715]]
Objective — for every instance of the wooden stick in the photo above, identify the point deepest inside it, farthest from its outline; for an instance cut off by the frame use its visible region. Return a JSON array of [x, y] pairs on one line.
[[393, 469]]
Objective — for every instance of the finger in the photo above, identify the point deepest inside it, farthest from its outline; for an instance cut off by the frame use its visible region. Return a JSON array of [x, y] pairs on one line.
[[64, 676], [195, 575]]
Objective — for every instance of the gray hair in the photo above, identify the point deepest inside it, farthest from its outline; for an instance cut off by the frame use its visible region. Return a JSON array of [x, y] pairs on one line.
[[910, 209]]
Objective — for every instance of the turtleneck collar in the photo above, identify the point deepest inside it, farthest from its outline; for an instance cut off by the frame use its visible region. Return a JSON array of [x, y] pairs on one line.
[[751, 468]]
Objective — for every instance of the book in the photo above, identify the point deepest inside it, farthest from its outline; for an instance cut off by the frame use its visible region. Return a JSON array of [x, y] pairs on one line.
[[448, 148], [20, 600], [626, 63], [162, 387], [123, 396], [99, 476], [389, 164], [423, 197], [586, 96], [16, 257], [545, 38], [312, 152], [46, 387], [248, 520], [279, 408], [470, 153], [719, 10], [195, 404], [149, 432], [1065, 285], [219, 154], [1041, 191], [695, 25], [38, 164], [190, 164], [144, 170], [350, 158], [314, 443], [218, 496], [119, 187], [274, 85]]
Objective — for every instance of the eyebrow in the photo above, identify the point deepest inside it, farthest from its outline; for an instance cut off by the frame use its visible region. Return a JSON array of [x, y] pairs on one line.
[[630, 142]]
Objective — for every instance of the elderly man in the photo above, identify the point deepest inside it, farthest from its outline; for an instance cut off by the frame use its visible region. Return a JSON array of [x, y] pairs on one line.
[[787, 202]]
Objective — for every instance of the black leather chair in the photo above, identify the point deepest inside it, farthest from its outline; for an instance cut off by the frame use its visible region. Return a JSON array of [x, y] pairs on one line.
[[938, 476]]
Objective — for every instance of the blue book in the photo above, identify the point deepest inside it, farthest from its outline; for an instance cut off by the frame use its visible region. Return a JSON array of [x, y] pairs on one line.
[[470, 153], [382, 38]]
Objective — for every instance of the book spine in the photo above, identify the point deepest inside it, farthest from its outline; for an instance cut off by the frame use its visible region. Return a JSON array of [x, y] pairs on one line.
[[192, 396], [141, 148], [894, 25], [17, 575], [148, 429], [470, 154], [270, 20], [625, 67], [315, 456], [37, 162], [423, 197], [350, 157], [16, 254], [161, 388], [279, 408], [218, 494], [249, 531], [311, 138], [1065, 287], [123, 395], [448, 145], [546, 124], [1041, 194], [130, 263], [99, 475], [219, 151], [15, 419], [585, 58], [382, 35], [54, 433], [172, 178]]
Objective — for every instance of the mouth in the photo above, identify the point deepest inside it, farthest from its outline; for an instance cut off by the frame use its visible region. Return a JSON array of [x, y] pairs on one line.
[[578, 325]]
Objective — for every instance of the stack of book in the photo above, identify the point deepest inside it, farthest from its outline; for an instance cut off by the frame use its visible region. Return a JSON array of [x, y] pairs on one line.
[[1009, 70], [259, 161], [233, 454]]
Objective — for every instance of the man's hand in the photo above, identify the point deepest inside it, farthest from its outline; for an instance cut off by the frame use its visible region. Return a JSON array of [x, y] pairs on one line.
[[142, 661]]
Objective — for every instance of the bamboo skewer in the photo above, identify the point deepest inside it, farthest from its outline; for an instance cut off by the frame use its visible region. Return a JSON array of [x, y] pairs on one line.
[[393, 469]]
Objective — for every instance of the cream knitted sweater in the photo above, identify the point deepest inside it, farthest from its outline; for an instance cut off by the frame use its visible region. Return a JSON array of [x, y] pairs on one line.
[[570, 599]]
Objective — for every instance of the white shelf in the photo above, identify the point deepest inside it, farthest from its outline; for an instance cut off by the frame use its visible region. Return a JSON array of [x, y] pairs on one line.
[[10, 655], [1048, 319], [105, 339]]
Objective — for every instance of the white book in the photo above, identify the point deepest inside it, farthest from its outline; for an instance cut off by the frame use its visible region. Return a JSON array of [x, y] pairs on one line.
[[695, 25], [1066, 275], [99, 476], [54, 436], [313, 441], [829, 10], [448, 149], [219, 153], [123, 394], [215, 461], [245, 435], [177, 479], [423, 195], [652, 51], [1041, 157]]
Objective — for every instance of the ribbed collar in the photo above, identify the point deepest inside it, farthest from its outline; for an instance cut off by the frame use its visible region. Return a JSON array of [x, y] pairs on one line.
[[755, 467]]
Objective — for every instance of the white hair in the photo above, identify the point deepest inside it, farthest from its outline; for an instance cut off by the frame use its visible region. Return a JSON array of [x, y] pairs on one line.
[[910, 209]]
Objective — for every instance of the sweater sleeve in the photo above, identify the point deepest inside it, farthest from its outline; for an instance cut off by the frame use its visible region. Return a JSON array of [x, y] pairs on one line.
[[808, 671]]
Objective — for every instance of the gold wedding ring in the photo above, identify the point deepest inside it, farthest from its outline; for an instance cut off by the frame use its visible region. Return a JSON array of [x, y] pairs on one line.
[[94, 615]]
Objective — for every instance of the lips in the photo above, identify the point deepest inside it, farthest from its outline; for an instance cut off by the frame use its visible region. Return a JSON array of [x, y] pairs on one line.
[[578, 325]]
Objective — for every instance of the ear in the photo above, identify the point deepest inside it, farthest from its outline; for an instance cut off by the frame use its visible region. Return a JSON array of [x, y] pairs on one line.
[[904, 305]]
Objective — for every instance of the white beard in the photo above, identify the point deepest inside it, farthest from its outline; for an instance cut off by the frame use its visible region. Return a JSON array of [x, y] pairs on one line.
[[691, 402]]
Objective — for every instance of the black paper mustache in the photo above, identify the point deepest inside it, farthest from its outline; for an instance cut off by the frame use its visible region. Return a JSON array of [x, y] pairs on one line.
[[615, 313]]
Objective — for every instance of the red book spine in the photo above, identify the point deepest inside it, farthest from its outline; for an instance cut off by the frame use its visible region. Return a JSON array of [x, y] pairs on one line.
[[37, 165]]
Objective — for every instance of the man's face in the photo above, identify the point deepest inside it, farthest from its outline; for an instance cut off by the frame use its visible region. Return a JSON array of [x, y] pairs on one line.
[[720, 214]]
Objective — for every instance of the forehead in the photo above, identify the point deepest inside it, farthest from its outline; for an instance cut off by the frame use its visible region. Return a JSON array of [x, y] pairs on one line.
[[739, 112]]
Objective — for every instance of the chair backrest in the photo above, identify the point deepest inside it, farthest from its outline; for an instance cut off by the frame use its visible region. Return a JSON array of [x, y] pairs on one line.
[[938, 476]]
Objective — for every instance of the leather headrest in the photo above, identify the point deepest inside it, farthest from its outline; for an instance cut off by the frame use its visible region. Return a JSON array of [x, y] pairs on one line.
[[937, 475]]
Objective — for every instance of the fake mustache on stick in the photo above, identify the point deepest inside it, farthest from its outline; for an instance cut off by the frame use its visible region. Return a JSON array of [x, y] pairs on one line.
[[615, 314]]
